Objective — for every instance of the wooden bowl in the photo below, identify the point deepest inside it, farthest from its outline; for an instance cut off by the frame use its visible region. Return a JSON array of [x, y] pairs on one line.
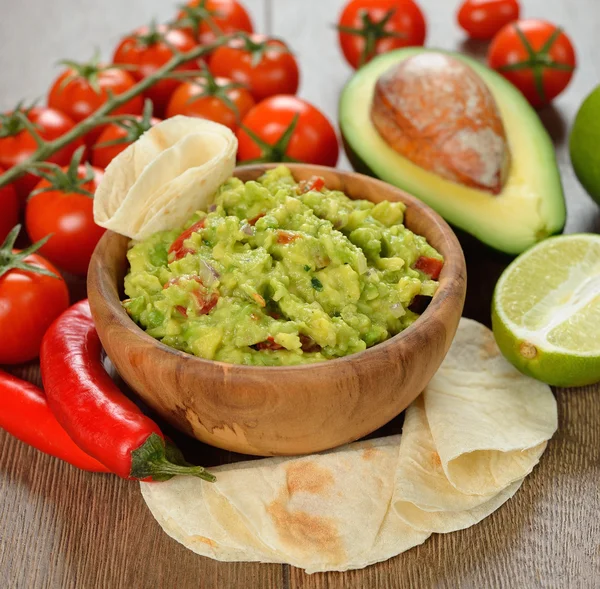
[[285, 410]]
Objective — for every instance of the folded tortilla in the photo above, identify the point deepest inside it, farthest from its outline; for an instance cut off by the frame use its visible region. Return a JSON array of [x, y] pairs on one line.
[[295, 511], [169, 173], [467, 443]]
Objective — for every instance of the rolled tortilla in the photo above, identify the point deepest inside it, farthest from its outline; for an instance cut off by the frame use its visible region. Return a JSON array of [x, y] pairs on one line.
[[170, 172]]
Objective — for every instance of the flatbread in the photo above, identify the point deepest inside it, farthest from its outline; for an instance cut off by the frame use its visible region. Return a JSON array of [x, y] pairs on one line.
[[181, 508], [170, 172], [206, 520], [489, 422], [301, 507]]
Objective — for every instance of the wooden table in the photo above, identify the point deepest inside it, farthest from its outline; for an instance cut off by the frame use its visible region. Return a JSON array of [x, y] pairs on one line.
[[61, 528]]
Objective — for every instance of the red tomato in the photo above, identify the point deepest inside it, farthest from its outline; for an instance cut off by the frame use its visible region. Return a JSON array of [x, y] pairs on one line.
[[367, 28], [116, 137], [9, 209], [228, 15], [82, 88], [216, 99], [430, 266], [262, 64], [205, 300], [177, 249], [68, 216], [29, 303], [536, 56], [148, 49], [17, 143], [313, 139], [482, 19]]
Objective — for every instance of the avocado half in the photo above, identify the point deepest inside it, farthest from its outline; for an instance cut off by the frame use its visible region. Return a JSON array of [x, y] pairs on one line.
[[531, 205]]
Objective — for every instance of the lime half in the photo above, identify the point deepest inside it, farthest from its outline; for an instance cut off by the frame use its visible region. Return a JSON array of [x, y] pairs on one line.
[[546, 311]]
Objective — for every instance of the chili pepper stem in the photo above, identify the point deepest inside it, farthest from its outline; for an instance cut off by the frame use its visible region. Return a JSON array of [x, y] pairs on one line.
[[153, 459]]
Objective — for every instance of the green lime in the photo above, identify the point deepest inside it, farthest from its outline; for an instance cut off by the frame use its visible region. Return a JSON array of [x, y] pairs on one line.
[[585, 142], [546, 311]]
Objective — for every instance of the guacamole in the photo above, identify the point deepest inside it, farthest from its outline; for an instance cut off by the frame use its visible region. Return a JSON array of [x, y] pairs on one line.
[[280, 273]]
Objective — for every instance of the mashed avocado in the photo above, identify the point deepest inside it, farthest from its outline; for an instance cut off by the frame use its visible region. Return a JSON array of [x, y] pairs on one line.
[[280, 273]]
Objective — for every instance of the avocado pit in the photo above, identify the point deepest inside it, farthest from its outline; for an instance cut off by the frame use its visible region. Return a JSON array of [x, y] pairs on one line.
[[437, 112]]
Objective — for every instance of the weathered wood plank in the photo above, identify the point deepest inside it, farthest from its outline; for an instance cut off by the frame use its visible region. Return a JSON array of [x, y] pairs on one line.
[[66, 528]]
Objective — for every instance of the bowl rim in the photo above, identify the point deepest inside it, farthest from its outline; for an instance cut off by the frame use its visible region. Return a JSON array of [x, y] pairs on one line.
[[438, 302]]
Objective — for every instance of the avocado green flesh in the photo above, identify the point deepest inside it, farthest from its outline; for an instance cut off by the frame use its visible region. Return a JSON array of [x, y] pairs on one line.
[[530, 206], [313, 275]]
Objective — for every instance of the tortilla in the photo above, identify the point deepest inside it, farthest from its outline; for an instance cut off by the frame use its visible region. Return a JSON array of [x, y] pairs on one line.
[[489, 422], [296, 503], [170, 172], [181, 508], [424, 498], [467, 444]]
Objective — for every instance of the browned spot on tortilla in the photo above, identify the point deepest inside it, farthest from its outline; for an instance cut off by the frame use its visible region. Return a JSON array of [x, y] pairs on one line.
[[204, 540], [435, 459], [308, 534], [370, 453], [308, 477]]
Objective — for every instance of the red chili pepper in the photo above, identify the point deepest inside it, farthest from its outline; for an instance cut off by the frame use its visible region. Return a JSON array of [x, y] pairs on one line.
[[94, 412], [25, 414], [430, 266], [177, 246]]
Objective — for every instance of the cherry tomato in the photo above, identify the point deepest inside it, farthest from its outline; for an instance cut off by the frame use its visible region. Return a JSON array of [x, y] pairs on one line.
[[228, 15], [536, 56], [216, 99], [9, 209], [148, 49], [29, 302], [310, 136], [367, 28], [64, 210], [83, 87], [116, 137], [264, 65], [17, 143], [482, 19]]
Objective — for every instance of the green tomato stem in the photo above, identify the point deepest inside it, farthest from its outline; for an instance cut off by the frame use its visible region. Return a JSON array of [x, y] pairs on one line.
[[100, 116]]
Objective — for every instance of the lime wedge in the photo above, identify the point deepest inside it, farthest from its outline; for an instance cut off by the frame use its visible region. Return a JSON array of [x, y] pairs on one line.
[[546, 311]]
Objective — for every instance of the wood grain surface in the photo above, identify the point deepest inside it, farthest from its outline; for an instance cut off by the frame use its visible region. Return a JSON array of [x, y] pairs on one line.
[[61, 528]]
